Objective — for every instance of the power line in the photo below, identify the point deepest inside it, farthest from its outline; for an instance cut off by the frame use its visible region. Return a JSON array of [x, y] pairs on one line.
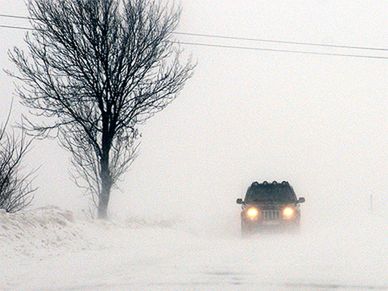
[[15, 16], [280, 41], [16, 27], [283, 50], [247, 38], [246, 47]]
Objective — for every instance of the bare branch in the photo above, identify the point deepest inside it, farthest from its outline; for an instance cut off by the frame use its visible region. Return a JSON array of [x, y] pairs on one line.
[[16, 191], [96, 69]]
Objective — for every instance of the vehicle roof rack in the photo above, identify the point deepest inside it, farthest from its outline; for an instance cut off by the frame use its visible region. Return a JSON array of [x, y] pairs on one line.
[[283, 183]]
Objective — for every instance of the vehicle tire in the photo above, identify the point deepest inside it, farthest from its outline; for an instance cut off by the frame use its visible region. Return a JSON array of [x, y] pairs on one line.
[[245, 229], [295, 229]]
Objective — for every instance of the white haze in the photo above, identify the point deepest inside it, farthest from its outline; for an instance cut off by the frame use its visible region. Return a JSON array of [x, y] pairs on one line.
[[319, 122]]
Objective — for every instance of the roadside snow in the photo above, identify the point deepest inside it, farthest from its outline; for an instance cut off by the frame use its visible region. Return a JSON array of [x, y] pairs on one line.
[[51, 230], [52, 249], [40, 230]]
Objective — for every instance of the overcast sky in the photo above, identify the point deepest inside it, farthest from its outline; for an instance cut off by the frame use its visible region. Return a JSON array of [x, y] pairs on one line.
[[319, 122]]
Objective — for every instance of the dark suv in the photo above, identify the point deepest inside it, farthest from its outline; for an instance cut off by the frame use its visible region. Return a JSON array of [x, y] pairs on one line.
[[270, 206]]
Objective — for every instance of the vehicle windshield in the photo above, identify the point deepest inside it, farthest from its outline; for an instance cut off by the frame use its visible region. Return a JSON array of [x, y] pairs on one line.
[[270, 193]]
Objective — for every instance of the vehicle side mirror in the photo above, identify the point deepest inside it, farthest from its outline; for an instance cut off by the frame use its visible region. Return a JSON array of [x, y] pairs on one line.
[[239, 201], [301, 200]]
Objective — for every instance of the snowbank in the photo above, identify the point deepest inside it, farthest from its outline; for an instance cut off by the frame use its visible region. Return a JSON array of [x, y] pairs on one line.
[[41, 230], [51, 230]]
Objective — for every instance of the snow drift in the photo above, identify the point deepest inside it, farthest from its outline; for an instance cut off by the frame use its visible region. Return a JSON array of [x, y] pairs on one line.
[[53, 249]]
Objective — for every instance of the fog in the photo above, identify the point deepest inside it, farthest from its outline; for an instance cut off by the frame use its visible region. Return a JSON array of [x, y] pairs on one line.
[[314, 121], [319, 122]]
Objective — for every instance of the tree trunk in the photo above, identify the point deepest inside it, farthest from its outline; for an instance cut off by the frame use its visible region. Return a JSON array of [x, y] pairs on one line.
[[104, 201], [106, 186]]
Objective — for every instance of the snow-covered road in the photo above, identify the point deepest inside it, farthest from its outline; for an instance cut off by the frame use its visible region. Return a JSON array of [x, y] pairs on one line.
[[110, 256]]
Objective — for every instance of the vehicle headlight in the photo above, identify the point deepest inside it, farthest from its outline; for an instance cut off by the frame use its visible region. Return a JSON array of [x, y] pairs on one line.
[[252, 213], [288, 212]]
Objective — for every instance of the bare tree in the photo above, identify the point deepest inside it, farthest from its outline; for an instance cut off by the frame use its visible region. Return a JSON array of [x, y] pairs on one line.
[[16, 191], [97, 69]]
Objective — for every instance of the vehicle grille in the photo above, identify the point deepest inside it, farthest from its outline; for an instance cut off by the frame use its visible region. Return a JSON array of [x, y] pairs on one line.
[[271, 214]]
